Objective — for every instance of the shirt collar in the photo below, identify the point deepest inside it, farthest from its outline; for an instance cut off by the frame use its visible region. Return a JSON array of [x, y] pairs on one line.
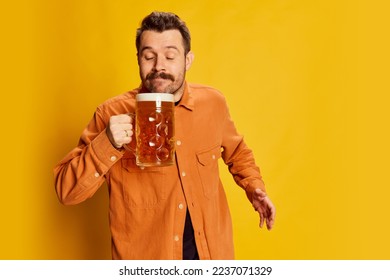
[[187, 100]]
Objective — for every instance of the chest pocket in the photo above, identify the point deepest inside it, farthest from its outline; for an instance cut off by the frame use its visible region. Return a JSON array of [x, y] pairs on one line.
[[208, 170], [143, 188]]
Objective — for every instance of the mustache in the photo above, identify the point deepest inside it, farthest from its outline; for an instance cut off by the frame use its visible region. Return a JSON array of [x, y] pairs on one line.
[[161, 75]]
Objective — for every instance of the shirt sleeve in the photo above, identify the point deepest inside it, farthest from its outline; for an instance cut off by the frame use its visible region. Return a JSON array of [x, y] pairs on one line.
[[239, 158], [80, 174]]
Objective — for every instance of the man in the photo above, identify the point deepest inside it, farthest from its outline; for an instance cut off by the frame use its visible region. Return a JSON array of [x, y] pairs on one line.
[[174, 212]]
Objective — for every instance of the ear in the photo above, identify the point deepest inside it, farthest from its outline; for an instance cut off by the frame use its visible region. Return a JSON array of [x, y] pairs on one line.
[[189, 59]]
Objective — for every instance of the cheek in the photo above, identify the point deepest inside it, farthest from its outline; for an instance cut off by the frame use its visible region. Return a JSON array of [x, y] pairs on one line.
[[143, 71], [178, 69]]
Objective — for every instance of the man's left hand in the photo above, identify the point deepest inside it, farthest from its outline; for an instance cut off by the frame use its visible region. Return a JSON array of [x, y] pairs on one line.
[[265, 207]]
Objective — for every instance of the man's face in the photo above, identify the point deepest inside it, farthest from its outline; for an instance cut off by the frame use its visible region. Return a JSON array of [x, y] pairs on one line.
[[162, 62]]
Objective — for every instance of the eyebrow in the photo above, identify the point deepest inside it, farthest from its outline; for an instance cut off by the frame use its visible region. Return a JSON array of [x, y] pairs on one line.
[[167, 47]]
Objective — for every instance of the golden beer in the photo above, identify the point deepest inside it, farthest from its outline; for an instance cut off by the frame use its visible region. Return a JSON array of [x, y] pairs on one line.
[[154, 129]]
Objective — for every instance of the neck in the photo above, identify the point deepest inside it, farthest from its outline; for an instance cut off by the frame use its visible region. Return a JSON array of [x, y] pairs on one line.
[[179, 93]]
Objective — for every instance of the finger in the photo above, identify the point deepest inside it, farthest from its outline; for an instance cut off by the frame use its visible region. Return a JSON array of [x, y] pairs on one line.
[[271, 215], [121, 130], [127, 137], [270, 223], [261, 219], [125, 126], [271, 209], [120, 143], [118, 133], [123, 118], [122, 136], [125, 141]]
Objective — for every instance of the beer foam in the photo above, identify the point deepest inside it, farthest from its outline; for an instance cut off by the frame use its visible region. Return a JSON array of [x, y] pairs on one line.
[[164, 97]]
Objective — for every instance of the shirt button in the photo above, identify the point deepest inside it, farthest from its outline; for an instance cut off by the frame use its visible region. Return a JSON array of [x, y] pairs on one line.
[[213, 156], [178, 142], [113, 158], [97, 174], [176, 238], [181, 206], [183, 174]]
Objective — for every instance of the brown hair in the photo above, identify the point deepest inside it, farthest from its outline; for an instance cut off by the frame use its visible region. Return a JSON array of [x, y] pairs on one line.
[[162, 21]]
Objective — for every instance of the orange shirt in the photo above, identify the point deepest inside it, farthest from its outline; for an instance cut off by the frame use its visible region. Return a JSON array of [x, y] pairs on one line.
[[147, 206]]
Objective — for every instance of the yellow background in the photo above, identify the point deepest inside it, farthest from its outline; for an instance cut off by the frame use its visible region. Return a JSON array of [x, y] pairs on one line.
[[307, 84]]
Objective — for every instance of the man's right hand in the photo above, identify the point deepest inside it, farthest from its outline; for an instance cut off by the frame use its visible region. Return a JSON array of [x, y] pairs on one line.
[[120, 130]]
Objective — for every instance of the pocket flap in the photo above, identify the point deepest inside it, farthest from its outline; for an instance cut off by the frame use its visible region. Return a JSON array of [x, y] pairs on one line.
[[210, 156]]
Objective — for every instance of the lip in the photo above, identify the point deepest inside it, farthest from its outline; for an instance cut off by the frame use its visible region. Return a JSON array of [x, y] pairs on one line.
[[159, 79]]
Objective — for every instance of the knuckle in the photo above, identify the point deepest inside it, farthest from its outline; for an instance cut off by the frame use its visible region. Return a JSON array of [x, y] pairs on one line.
[[113, 118]]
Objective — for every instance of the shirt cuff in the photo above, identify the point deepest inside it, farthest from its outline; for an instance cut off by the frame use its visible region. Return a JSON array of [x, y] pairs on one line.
[[106, 153]]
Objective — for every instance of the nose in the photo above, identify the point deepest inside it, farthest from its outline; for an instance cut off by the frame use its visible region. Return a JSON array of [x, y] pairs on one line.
[[159, 64]]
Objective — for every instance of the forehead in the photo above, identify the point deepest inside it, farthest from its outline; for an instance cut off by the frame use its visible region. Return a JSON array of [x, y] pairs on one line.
[[161, 40]]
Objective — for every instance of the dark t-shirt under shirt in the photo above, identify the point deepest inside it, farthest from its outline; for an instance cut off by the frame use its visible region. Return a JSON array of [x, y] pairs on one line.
[[189, 247]]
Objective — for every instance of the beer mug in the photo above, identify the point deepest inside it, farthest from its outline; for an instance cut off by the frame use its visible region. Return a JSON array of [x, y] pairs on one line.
[[154, 129]]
